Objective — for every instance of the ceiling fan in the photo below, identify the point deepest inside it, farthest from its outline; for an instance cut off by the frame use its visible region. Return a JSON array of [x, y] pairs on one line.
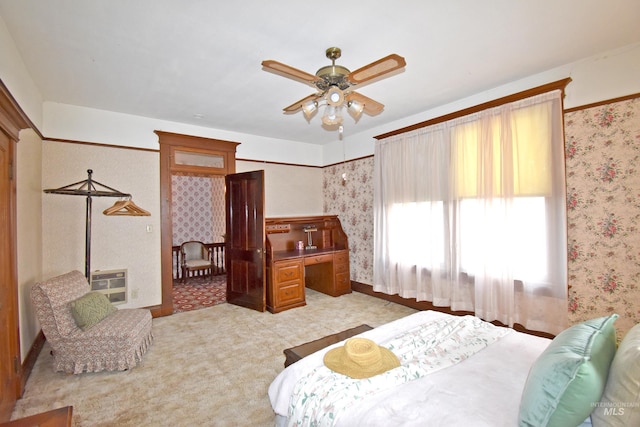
[[334, 85]]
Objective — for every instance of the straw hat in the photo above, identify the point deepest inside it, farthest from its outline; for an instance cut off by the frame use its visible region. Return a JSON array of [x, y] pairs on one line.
[[360, 358]]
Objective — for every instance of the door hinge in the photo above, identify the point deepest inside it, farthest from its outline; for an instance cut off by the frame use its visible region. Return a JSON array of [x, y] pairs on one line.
[[10, 171], [16, 365]]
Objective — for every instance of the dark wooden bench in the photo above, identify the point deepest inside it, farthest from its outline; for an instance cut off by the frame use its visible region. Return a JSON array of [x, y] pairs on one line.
[[294, 354]]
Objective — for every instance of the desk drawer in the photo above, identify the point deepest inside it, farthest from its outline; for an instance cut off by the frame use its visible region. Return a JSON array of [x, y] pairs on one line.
[[290, 293], [343, 283], [342, 257], [288, 270], [341, 267], [318, 259]]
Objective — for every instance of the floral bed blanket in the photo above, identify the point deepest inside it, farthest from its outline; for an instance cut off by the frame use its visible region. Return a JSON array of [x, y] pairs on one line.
[[320, 396]]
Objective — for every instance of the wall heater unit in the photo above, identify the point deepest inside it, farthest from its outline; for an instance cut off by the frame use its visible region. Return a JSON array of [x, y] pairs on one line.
[[112, 283]]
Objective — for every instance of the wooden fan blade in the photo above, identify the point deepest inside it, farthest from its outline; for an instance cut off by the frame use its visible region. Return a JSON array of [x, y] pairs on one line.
[[376, 69], [296, 106], [370, 106], [290, 72]]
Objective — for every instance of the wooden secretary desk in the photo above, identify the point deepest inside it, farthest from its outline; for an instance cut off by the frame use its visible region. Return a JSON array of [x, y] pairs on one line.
[[304, 252]]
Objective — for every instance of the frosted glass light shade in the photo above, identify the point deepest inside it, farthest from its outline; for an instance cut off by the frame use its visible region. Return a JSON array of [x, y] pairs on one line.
[[331, 116], [355, 108], [309, 108]]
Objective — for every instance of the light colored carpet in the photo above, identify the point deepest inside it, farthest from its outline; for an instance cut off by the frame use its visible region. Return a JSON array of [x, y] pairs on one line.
[[208, 367]]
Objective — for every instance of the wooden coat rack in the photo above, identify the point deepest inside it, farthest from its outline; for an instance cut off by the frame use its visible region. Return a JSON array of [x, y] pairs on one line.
[[91, 188]]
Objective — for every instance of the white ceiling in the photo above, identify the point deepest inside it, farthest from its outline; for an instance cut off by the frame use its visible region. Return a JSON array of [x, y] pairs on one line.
[[173, 60]]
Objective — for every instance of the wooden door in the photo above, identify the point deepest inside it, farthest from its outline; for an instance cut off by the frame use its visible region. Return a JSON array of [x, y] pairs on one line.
[[9, 344], [245, 243]]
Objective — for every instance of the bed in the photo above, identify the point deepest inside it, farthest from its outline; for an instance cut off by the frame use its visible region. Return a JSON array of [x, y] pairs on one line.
[[502, 378]]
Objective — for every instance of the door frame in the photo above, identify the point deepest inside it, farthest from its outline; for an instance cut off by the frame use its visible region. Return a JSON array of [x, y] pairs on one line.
[[12, 121], [170, 143]]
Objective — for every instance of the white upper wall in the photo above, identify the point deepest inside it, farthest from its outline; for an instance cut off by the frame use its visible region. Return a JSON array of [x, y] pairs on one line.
[[106, 127], [607, 76], [16, 78]]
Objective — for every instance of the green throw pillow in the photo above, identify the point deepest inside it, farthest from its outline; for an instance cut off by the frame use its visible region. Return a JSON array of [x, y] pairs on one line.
[[90, 309], [568, 378]]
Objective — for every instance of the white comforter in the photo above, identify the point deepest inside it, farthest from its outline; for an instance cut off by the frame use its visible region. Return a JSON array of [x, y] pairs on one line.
[[483, 390]]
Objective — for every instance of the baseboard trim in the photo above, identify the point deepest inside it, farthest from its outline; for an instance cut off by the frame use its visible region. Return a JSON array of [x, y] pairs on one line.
[[426, 305], [157, 311], [30, 361]]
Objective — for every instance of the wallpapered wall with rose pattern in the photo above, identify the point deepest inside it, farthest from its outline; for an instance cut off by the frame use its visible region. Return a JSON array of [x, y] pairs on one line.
[[352, 201], [603, 212]]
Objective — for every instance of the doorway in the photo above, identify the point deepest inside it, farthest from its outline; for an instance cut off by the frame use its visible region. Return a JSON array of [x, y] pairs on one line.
[[198, 214], [180, 155]]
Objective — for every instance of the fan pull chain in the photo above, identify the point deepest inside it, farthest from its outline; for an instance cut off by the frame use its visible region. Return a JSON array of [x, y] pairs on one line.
[[344, 156]]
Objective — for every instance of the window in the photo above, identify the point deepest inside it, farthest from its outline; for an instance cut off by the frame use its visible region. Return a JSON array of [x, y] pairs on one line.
[[467, 208]]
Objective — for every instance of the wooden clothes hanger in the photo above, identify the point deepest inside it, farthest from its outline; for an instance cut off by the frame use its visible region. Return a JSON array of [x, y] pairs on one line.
[[126, 207]]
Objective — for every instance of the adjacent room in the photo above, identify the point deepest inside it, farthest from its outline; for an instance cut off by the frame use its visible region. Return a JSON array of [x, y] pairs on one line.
[[270, 190], [198, 218]]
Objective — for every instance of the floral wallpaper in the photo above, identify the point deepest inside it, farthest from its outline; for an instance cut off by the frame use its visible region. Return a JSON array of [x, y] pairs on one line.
[[352, 200], [603, 212], [197, 208]]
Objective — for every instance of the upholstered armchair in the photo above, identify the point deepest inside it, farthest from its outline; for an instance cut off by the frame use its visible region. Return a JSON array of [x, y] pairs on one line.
[[86, 332], [195, 257]]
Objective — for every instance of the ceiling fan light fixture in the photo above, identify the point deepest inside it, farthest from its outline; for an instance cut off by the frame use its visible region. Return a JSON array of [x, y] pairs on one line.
[[355, 108], [309, 108], [334, 96], [334, 86], [331, 116]]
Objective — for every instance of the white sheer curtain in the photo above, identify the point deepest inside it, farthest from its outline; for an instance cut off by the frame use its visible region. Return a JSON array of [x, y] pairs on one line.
[[470, 214]]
